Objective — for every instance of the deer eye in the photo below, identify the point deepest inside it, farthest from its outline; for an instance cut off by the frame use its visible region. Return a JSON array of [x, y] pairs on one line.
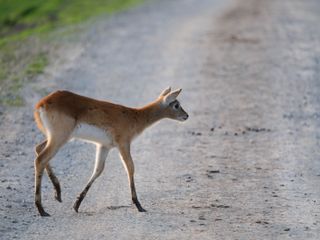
[[176, 106]]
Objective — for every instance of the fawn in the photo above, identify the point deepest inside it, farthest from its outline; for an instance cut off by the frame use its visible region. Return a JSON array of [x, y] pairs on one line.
[[62, 116]]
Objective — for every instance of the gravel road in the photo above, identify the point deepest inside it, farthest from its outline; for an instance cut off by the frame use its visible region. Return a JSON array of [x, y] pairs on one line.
[[244, 166]]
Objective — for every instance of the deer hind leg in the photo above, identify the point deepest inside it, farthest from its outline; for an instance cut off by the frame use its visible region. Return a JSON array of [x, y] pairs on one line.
[[50, 172], [55, 183], [128, 163], [58, 133], [40, 164], [38, 149], [101, 155]]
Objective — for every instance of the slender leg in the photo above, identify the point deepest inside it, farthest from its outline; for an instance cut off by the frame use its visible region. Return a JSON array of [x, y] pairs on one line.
[[101, 155], [50, 172], [55, 182], [128, 163], [38, 149], [40, 164], [58, 130]]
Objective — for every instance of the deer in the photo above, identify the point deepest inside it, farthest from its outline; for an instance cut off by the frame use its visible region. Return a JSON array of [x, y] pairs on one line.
[[63, 115]]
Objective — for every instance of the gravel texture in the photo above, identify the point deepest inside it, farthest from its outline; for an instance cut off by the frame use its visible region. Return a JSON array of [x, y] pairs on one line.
[[244, 166]]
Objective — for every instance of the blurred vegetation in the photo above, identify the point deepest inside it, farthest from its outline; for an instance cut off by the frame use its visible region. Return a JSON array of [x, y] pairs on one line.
[[21, 59], [20, 18]]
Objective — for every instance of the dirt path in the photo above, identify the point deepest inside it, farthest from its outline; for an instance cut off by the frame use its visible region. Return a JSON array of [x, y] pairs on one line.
[[245, 166]]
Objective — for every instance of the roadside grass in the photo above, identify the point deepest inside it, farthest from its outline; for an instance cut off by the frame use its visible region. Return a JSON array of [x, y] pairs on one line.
[[25, 29], [18, 66]]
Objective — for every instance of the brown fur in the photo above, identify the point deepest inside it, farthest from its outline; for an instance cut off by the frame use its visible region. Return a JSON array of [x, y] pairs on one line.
[[116, 118]]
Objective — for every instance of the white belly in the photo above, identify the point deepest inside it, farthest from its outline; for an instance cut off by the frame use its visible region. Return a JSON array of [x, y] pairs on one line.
[[92, 133]]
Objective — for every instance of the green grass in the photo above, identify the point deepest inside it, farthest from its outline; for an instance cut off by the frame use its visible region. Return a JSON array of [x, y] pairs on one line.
[[18, 70], [22, 18], [37, 66], [24, 29]]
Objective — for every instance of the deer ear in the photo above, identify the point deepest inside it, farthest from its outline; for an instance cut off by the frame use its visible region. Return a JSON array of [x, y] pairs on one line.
[[169, 98], [165, 92]]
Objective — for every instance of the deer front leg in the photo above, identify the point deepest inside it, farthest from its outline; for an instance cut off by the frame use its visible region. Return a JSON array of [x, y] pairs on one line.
[[128, 163], [101, 155]]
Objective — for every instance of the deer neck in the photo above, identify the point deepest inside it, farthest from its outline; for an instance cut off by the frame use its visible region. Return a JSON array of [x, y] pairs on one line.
[[149, 115]]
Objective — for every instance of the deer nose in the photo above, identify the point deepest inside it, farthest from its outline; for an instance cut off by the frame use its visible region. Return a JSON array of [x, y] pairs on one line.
[[186, 117]]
